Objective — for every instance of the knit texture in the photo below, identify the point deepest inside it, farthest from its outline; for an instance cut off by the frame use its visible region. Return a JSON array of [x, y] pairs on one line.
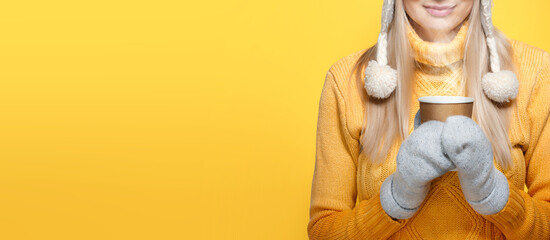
[[484, 187], [345, 194], [420, 160]]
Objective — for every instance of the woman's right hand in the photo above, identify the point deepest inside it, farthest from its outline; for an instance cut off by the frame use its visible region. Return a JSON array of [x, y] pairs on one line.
[[420, 159]]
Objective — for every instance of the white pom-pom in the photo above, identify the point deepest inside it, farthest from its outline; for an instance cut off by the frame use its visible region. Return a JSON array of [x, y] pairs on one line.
[[380, 80], [500, 86]]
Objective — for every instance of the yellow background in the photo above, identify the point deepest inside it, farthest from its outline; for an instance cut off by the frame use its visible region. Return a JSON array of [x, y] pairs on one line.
[[175, 119]]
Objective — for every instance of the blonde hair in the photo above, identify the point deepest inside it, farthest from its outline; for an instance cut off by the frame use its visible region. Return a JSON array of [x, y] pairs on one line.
[[387, 120]]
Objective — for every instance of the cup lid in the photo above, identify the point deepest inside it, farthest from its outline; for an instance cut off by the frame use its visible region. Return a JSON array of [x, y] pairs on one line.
[[445, 99]]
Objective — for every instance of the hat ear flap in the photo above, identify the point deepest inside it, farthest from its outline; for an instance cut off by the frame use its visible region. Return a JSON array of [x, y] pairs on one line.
[[380, 78], [499, 86]]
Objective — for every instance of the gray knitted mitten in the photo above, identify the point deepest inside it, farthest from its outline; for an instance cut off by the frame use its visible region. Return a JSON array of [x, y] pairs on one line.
[[484, 186], [420, 159]]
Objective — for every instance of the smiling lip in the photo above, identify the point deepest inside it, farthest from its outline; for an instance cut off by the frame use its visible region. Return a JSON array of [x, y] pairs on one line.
[[439, 11]]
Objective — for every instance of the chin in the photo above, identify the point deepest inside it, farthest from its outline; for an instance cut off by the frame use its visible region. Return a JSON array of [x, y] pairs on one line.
[[440, 24]]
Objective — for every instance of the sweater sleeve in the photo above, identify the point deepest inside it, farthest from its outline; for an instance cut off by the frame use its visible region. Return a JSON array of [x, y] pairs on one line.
[[334, 213], [527, 215]]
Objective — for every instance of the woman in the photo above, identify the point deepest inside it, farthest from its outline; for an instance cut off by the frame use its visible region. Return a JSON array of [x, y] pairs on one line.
[[379, 174]]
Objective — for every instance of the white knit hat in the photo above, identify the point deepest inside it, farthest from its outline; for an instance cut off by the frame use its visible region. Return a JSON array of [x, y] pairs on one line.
[[381, 79]]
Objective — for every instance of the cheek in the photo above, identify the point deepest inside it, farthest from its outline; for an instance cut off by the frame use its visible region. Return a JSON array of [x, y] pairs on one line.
[[414, 9], [465, 8]]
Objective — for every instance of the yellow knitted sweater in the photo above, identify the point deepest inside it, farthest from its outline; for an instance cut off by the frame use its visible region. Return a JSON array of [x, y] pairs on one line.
[[345, 201]]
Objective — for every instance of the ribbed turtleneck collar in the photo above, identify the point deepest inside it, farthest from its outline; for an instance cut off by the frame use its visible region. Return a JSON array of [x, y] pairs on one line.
[[438, 54]]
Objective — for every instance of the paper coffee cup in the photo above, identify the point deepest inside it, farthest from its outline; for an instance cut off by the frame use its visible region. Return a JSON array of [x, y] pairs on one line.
[[441, 107]]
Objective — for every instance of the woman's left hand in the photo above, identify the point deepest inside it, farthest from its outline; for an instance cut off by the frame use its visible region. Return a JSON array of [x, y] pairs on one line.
[[484, 186]]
